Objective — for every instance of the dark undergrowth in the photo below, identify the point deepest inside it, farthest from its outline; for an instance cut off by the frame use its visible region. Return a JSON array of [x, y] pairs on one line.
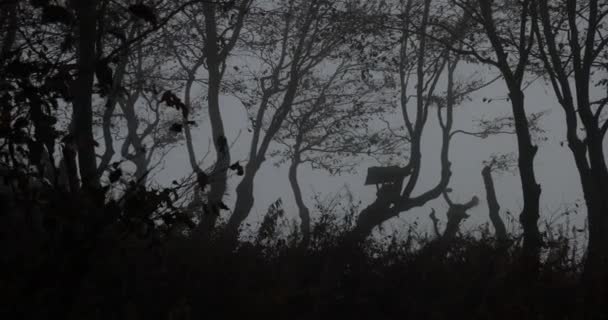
[[61, 263]]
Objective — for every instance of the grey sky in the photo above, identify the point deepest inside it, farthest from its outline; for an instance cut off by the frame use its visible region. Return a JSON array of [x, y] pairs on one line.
[[555, 168]]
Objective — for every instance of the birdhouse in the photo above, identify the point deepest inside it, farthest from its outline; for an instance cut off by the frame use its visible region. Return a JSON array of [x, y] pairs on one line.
[[382, 175]]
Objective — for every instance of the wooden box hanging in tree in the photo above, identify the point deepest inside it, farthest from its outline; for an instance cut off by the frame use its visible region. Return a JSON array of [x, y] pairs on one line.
[[382, 175]]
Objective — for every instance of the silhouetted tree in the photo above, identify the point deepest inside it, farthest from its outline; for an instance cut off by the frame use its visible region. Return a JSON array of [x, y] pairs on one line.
[[306, 35], [331, 128], [493, 205], [421, 56], [456, 214], [572, 50], [510, 54]]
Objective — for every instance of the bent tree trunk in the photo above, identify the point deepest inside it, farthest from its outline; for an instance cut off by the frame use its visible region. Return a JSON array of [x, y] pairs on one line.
[[493, 206], [456, 213], [244, 191], [244, 203], [302, 209], [370, 217]]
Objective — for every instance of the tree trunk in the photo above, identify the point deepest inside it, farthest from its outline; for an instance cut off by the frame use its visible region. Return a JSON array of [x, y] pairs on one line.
[[594, 181], [530, 188], [245, 188], [493, 206], [110, 106], [377, 212], [595, 186], [457, 212], [141, 167], [303, 211], [82, 129], [244, 203], [575, 100], [220, 173], [134, 140], [595, 273]]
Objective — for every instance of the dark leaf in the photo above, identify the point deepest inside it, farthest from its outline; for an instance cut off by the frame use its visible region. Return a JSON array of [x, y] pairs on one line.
[[166, 97], [21, 123], [238, 168], [171, 100], [118, 33], [56, 14], [39, 3], [227, 6], [115, 175], [176, 127], [35, 154], [222, 206], [203, 179], [68, 43], [143, 12], [104, 74], [222, 144], [20, 137], [235, 165], [69, 138]]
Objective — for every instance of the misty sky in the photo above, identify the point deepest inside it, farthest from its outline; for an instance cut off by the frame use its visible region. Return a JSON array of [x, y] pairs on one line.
[[554, 163]]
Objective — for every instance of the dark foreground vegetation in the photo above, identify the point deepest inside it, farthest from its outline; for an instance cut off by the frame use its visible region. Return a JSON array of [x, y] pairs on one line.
[[59, 264]]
